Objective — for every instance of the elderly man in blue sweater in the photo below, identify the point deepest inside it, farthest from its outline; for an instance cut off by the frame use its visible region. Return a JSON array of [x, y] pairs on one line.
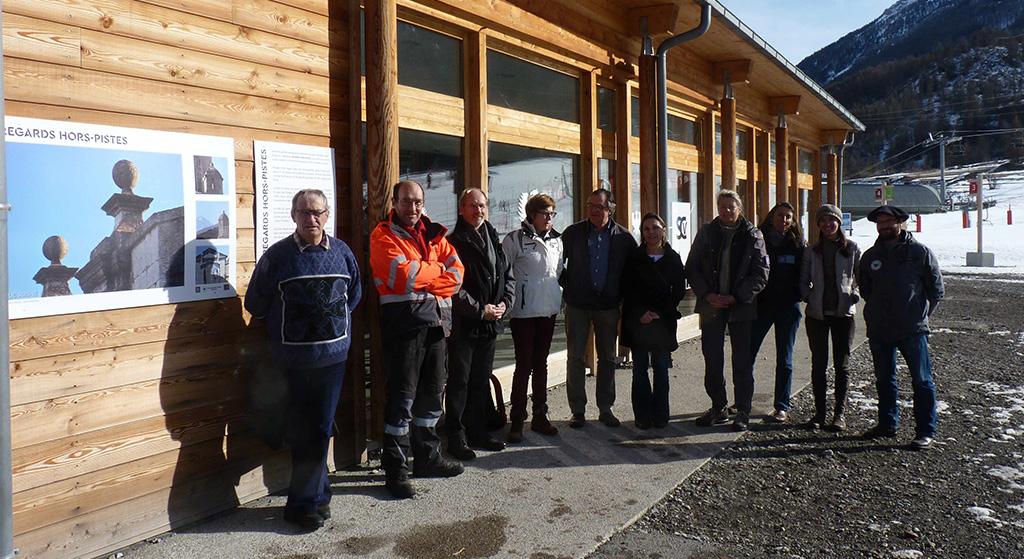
[[305, 287]]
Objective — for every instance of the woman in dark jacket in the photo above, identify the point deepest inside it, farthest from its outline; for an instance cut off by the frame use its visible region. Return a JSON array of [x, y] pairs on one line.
[[655, 284], [779, 303]]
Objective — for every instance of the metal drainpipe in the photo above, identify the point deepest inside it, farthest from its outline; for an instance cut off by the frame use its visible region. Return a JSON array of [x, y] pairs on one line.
[[663, 48], [839, 179], [6, 499]]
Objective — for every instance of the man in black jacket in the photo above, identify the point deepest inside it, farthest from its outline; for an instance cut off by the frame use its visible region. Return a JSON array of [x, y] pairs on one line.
[[901, 285], [596, 251], [727, 268], [487, 292]]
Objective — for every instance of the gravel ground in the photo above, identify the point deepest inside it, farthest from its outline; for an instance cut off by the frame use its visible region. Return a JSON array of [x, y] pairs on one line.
[[789, 492]]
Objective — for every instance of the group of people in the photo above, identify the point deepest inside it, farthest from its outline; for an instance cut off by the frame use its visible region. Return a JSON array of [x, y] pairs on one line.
[[445, 297]]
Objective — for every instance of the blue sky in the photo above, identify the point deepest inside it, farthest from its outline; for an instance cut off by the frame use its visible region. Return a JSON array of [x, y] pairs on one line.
[[58, 190], [798, 28]]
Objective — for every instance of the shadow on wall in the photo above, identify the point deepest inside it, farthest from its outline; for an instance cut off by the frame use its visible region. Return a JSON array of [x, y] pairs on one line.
[[211, 366]]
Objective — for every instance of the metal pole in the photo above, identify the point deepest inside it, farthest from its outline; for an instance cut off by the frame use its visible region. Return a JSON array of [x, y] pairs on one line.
[[981, 186], [663, 48], [942, 172], [6, 497]]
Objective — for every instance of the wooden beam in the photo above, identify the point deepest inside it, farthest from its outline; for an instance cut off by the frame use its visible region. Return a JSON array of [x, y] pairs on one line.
[[653, 20], [750, 193], [588, 127], [832, 178], [764, 174], [834, 137], [787, 105], [623, 137], [729, 143], [474, 51], [648, 134], [816, 198], [781, 166], [732, 71], [706, 209], [794, 171]]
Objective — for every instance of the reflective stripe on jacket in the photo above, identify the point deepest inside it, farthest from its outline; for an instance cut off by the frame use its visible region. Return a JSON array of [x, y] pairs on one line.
[[414, 291]]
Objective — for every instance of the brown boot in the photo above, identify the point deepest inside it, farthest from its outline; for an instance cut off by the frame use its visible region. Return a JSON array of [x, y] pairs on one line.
[[541, 425], [515, 432]]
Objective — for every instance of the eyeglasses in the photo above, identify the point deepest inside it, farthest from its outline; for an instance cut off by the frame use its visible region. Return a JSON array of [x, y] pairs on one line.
[[597, 206], [408, 202], [548, 215], [312, 213]]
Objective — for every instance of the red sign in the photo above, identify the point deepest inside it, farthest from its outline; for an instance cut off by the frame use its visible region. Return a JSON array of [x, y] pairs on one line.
[[878, 194], [973, 186]]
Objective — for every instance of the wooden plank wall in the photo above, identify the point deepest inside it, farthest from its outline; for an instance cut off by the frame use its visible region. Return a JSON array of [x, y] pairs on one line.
[[127, 422]]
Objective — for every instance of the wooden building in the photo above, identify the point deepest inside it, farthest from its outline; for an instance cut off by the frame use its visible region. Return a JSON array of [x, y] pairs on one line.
[[128, 422]]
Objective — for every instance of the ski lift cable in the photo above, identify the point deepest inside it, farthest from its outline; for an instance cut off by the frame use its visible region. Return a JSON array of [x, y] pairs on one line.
[[907, 119], [937, 106]]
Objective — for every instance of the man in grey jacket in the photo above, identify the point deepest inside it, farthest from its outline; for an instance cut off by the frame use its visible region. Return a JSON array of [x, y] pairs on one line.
[[901, 283], [727, 267]]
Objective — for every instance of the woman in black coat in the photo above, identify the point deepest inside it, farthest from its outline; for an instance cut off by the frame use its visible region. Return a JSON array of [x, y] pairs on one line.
[[655, 284]]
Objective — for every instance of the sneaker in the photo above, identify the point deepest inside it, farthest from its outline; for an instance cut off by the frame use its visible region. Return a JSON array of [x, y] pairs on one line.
[[307, 521], [400, 487], [712, 417], [441, 467], [879, 431], [741, 423], [921, 443], [777, 416], [609, 419], [540, 424], [578, 420]]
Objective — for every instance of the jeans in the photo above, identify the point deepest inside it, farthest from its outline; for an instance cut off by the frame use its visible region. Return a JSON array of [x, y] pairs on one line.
[[467, 397], [712, 345], [915, 351], [532, 339], [841, 329], [577, 327], [786, 321], [649, 406], [313, 399]]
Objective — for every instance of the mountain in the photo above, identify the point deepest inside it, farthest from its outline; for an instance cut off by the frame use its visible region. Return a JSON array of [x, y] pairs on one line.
[[930, 66]]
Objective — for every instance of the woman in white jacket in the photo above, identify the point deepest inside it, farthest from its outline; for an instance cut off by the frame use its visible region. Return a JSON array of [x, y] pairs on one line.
[[535, 252], [828, 284]]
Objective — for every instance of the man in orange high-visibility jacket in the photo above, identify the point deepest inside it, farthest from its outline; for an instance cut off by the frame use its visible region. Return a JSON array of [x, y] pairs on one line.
[[416, 272]]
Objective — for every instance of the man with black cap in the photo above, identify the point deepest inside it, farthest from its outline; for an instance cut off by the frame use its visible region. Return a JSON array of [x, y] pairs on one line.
[[901, 283]]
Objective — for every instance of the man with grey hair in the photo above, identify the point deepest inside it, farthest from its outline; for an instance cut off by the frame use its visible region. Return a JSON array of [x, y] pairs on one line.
[[305, 288], [595, 251], [727, 267]]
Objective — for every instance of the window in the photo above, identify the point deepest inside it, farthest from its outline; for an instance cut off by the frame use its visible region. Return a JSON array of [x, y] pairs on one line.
[[523, 86], [516, 173], [434, 161], [683, 130], [805, 161], [686, 183], [426, 59], [606, 109], [429, 60], [606, 173], [634, 199], [718, 138], [634, 116], [742, 137]]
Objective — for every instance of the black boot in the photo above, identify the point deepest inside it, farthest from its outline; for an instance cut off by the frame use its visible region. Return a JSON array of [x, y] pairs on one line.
[[428, 461], [394, 459]]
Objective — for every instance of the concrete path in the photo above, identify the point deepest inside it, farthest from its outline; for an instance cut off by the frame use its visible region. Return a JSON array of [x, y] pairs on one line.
[[548, 498]]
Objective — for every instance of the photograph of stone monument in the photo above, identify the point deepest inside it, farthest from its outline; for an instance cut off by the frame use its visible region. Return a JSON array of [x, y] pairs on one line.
[[212, 264], [93, 220], [212, 220], [209, 174]]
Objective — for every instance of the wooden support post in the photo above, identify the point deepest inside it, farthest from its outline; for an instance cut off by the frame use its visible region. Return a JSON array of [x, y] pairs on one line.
[[764, 169], [381, 44], [475, 85], [588, 128], [648, 135], [781, 164], [750, 193], [729, 143], [623, 170], [794, 169], [832, 177], [706, 208], [815, 199]]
